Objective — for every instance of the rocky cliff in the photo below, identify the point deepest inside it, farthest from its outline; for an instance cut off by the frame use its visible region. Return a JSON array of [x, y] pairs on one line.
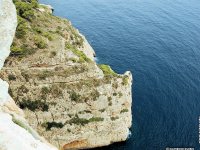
[[66, 97], [15, 133]]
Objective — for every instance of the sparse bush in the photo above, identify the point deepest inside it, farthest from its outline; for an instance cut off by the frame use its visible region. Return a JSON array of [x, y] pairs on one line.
[[120, 94], [115, 85], [73, 60], [74, 96], [109, 98], [102, 110], [87, 111], [11, 77], [68, 46], [124, 110], [53, 54], [114, 118], [114, 94], [81, 121], [110, 101], [95, 94], [96, 119], [45, 90], [69, 130], [49, 125], [78, 121], [48, 35], [25, 75], [33, 105]]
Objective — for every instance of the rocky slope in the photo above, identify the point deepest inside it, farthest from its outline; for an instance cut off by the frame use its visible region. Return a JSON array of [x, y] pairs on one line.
[[66, 97]]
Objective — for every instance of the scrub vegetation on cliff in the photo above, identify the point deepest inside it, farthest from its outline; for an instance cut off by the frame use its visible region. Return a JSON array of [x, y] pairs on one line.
[[35, 29]]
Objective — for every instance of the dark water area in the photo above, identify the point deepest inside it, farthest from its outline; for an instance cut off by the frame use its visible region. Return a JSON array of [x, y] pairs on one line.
[[159, 41]]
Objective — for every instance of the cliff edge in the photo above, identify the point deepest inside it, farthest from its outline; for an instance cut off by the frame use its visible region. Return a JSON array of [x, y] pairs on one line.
[[65, 96]]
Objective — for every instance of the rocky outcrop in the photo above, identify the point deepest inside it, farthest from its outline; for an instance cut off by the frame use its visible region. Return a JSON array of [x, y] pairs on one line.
[[8, 24], [15, 133], [65, 96]]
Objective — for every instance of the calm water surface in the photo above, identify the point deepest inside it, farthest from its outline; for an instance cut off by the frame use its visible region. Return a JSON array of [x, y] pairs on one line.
[[159, 41]]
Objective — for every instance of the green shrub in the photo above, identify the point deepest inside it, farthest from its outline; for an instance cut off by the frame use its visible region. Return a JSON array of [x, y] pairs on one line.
[[78, 121], [34, 3], [110, 101], [49, 125], [38, 30], [48, 35], [68, 46], [95, 94], [102, 110], [45, 90], [15, 50], [22, 28], [124, 110], [96, 119], [25, 75], [27, 49], [120, 94], [73, 60], [11, 77], [81, 121], [74, 96], [53, 54], [23, 50], [107, 70], [33, 105], [125, 80], [109, 98], [80, 54], [39, 42], [114, 94], [114, 118], [115, 85], [25, 9]]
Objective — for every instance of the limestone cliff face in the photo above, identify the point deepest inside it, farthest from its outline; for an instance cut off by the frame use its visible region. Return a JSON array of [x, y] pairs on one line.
[[15, 133], [65, 96]]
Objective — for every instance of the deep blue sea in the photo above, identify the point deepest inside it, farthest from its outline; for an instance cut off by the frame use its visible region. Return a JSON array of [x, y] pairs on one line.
[[159, 41]]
